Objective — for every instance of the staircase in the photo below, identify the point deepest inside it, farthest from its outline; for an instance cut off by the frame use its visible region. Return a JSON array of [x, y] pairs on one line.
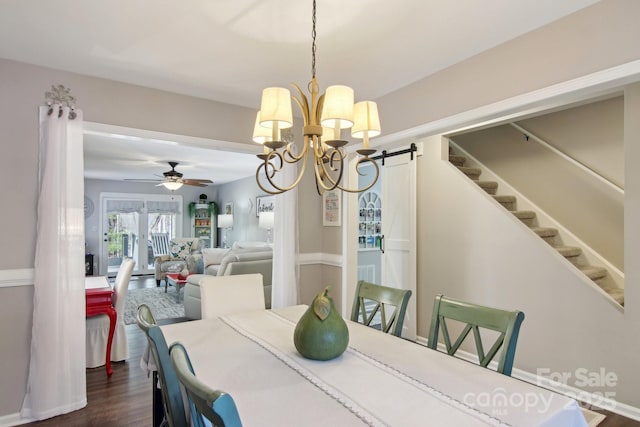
[[549, 235]]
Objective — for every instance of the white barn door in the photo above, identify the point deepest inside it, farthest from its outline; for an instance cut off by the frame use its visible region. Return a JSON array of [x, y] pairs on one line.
[[399, 231]]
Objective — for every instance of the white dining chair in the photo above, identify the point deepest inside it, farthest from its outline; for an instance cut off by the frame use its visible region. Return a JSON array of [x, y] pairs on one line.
[[222, 295], [98, 326]]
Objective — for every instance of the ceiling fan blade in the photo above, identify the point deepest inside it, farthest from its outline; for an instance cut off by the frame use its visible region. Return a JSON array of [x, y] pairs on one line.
[[197, 181], [194, 184], [143, 180]]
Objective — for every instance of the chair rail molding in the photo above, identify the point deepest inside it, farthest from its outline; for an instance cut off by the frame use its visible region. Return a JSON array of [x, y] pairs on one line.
[[16, 277], [311, 258]]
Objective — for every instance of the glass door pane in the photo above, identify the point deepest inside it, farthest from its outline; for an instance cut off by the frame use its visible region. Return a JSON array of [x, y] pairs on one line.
[[122, 239], [159, 223]]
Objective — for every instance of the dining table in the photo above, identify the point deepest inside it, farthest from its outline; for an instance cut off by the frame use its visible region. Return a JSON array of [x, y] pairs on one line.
[[99, 300], [380, 379]]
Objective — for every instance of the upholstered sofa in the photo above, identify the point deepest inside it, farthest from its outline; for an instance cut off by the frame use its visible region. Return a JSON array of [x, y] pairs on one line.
[[179, 250], [240, 259]]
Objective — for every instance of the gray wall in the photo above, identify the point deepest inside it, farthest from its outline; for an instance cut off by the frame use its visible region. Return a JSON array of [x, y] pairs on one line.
[[242, 194], [596, 38]]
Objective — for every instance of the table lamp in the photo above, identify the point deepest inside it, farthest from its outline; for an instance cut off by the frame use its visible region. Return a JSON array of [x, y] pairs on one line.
[[225, 222], [265, 220]]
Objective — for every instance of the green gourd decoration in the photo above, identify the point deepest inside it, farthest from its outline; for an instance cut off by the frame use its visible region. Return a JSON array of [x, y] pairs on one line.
[[321, 333]]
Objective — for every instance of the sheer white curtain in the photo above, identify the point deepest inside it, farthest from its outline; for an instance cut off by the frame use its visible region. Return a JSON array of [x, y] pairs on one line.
[[56, 383], [284, 289]]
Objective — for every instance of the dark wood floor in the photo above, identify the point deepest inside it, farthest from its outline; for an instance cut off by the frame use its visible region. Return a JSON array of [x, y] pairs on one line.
[[125, 399]]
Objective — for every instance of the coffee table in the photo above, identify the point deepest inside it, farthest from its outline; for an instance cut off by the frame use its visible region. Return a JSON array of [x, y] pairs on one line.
[[174, 279]]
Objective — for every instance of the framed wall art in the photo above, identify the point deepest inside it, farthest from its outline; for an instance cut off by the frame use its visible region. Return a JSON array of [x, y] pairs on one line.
[[265, 204], [228, 209], [331, 208]]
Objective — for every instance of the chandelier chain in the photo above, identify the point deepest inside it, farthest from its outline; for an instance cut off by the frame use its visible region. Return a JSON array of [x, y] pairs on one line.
[[313, 42]]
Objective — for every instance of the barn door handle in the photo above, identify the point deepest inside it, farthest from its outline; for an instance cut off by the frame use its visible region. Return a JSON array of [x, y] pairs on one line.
[[382, 243]]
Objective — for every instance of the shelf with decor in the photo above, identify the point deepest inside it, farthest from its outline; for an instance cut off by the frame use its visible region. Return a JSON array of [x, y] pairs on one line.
[[203, 223], [370, 221]]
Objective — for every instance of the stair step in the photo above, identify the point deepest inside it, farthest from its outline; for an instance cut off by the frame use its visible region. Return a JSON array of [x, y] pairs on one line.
[[548, 234], [473, 173], [457, 159], [489, 186], [593, 273], [509, 202], [618, 295], [568, 251], [527, 217]]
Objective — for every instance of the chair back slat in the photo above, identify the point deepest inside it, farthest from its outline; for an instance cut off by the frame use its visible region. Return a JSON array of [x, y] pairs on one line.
[[160, 243], [507, 323], [170, 386], [384, 299], [216, 406]]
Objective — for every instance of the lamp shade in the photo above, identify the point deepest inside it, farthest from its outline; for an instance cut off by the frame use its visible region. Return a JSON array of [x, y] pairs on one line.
[[337, 110], [275, 108], [366, 122], [172, 185], [265, 220], [225, 221], [261, 134]]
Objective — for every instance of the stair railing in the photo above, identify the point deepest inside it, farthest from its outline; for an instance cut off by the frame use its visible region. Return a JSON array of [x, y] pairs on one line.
[[571, 160]]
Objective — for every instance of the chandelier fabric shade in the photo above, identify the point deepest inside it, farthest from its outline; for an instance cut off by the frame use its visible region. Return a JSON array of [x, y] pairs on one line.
[[261, 134], [337, 110], [366, 123], [324, 115], [275, 109]]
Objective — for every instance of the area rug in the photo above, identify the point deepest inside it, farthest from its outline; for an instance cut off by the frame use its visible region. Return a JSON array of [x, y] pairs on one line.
[[163, 305]]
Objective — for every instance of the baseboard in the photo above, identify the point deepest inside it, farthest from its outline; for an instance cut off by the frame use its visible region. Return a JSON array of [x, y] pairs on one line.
[[16, 277], [13, 420], [598, 401]]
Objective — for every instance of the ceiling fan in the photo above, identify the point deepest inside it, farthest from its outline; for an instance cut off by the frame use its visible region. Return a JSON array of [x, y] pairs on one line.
[[173, 179]]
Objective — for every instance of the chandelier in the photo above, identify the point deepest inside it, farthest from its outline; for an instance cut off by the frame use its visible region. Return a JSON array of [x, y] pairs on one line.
[[324, 115]]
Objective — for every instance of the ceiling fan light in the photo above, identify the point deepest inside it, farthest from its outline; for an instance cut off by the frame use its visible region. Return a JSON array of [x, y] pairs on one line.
[[172, 185], [337, 111]]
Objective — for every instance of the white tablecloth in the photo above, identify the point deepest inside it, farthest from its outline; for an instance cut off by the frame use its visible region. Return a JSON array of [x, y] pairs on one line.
[[379, 380]]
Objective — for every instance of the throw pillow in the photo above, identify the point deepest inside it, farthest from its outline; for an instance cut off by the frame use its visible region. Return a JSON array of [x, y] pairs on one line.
[[213, 256], [179, 250]]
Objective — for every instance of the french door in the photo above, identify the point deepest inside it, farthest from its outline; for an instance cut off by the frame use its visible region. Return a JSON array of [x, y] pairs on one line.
[[128, 220]]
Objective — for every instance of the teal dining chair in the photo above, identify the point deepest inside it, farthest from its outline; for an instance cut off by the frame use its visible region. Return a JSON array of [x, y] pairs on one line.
[[174, 412], [506, 323], [215, 406], [376, 302]]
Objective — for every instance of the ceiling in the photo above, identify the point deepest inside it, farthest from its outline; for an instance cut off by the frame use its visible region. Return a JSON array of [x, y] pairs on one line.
[[230, 50]]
